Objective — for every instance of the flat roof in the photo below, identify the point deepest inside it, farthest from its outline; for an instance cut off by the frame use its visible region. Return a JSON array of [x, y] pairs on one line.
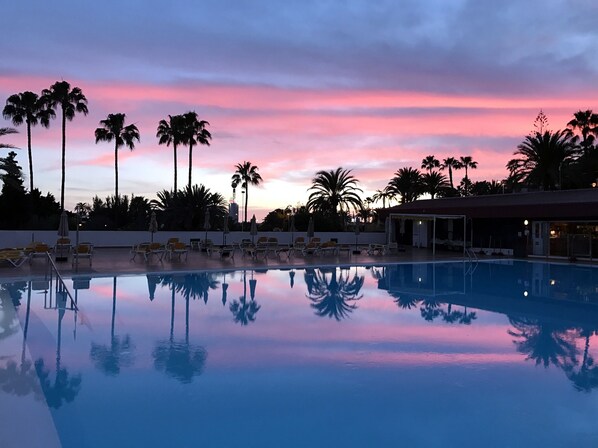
[[550, 205]]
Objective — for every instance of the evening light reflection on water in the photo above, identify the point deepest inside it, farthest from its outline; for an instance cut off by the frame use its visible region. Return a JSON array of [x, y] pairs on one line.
[[445, 354]]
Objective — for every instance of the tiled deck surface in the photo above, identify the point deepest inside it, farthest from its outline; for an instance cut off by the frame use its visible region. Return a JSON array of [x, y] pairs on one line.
[[118, 261]]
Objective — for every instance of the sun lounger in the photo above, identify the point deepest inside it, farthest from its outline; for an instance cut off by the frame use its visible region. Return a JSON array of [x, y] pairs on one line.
[[224, 251], [311, 248], [177, 249], [139, 249], [156, 249], [376, 249], [14, 257], [39, 250], [83, 250], [329, 247], [246, 247]]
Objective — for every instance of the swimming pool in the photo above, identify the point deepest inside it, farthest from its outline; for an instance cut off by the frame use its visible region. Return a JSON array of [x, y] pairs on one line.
[[432, 354]]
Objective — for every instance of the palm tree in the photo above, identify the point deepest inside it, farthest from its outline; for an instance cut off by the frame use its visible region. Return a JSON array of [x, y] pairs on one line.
[[467, 162], [586, 122], [407, 183], [452, 164], [71, 101], [7, 131], [542, 157], [429, 163], [333, 190], [386, 194], [171, 133], [29, 108], [113, 128], [246, 175], [434, 183], [194, 132]]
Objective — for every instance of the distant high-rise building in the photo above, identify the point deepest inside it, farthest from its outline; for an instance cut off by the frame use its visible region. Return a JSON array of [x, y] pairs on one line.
[[233, 211]]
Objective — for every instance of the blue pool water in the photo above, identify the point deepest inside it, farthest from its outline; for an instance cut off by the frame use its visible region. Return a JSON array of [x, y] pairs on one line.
[[501, 354]]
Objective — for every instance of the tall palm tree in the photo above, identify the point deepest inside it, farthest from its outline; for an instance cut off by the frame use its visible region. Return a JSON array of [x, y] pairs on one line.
[[7, 131], [407, 184], [542, 157], [385, 194], [27, 107], [194, 132], [434, 183], [246, 174], [452, 164], [429, 163], [171, 133], [586, 122], [467, 162], [113, 128], [71, 102], [333, 190]]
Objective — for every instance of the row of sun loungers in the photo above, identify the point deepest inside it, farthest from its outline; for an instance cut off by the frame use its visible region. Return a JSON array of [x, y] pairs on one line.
[[16, 257]]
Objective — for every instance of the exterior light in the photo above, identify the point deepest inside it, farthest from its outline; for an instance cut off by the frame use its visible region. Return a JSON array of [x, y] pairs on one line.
[[419, 223], [419, 279], [526, 222], [525, 293], [552, 282], [553, 232]]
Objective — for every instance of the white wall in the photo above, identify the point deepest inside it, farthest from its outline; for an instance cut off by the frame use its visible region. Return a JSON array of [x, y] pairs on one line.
[[20, 238]]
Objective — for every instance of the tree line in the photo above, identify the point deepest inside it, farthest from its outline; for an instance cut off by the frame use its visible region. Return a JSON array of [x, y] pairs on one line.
[[546, 159]]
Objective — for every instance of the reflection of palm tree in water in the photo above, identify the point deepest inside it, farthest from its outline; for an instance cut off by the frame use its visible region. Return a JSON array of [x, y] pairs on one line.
[[180, 360], [586, 378], [405, 301], [333, 294], [65, 387], [119, 353], [243, 311], [192, 286], [21, 380], [544, 342]]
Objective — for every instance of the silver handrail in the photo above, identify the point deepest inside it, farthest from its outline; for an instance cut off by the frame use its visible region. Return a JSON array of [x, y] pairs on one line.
[[61, 280]]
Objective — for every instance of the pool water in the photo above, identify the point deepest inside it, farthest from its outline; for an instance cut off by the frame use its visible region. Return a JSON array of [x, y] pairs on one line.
[[444, 354]]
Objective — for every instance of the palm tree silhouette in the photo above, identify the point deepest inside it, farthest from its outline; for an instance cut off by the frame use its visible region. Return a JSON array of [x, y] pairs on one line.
[[451, 164], [405, 301], [429, 163], [119, 353], [386, 194], [334, 293], [407, 183], [7, 131], [586, 122], [467, 162], [113, 128], [171, 133], [542, 157], [434, 183], [334, 191], [194, 132], [27, 107], [70, 101], [246, 174]]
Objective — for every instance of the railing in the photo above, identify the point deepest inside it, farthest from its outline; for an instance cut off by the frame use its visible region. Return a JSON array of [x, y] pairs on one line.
[[61, 288]]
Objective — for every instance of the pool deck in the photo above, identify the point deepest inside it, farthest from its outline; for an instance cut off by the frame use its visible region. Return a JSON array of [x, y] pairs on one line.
[[111, 261]]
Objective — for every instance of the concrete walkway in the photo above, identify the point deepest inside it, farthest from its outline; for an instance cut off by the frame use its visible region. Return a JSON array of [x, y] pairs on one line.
[[108, 262]]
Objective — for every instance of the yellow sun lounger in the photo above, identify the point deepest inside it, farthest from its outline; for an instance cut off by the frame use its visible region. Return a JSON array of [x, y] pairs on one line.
[[14, 257]]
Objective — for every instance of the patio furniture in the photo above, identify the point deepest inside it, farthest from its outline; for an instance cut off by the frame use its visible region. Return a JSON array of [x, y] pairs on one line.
[[139, 249], [225, 251], [39, 250], [177, 249], [14, 257], [375, 249], [329, 247], [83, 250], [62, 249]]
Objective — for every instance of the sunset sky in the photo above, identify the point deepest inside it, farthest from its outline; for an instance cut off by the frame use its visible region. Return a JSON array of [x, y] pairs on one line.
[[295, 87]]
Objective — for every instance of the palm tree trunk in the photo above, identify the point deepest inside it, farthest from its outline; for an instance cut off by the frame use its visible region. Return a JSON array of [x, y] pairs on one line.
[[246, 199], [30, 159], [175, 167], [116, 197], [116, 173], [190, 163], [63, 159], [451, 176], [113, 308]]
